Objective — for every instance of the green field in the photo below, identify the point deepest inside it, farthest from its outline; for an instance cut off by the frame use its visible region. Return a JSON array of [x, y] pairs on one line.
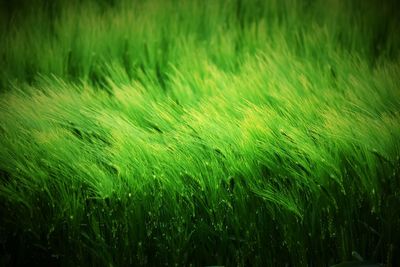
[[199, 132]]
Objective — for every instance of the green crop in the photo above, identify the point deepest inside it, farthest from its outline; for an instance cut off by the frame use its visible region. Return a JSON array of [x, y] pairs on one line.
[[195, 133]]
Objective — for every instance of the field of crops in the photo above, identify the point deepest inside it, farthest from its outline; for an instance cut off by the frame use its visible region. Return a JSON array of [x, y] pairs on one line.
[[199, 132]]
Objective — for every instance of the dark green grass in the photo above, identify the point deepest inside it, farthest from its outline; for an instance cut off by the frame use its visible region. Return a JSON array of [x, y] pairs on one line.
[[193, 133]]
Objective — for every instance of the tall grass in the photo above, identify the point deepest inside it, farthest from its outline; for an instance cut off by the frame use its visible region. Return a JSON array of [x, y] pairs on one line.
[[192, 133]]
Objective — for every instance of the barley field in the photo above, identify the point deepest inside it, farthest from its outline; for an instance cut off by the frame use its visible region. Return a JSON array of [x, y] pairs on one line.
[[199, 133]]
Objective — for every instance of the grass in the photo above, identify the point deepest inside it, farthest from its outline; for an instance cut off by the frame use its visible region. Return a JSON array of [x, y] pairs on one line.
[[193, 133]]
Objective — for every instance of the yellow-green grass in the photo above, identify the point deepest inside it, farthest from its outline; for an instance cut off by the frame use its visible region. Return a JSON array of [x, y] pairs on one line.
[[192, 133]]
